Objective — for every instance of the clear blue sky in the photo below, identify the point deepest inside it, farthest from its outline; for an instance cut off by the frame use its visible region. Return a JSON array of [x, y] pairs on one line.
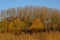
[[6, 4]]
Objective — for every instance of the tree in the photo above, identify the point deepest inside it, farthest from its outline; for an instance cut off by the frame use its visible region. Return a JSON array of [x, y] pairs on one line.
[[4, 25], [54, 19], [37, 25], [17, 25]]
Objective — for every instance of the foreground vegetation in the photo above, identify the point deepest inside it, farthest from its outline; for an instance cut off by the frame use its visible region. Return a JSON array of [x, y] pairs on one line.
[[34, 36]]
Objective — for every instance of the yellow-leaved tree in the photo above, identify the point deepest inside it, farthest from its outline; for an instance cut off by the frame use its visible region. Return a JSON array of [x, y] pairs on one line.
[[4, 24], [17, 24], [37, 24]]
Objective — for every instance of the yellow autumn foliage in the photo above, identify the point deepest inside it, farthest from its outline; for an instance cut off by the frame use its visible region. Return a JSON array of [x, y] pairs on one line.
[[37, 24], [17, 24], [4, 25], [0, 26], [11, 25]]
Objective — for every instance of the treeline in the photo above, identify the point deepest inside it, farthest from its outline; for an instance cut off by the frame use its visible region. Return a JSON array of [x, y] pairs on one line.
[[29, 19]]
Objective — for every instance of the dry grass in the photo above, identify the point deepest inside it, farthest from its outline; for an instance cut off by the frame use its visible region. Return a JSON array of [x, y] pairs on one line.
[[34, 36]]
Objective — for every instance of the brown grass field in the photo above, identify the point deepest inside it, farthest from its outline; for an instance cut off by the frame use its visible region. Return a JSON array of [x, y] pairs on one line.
[[33, 36]]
